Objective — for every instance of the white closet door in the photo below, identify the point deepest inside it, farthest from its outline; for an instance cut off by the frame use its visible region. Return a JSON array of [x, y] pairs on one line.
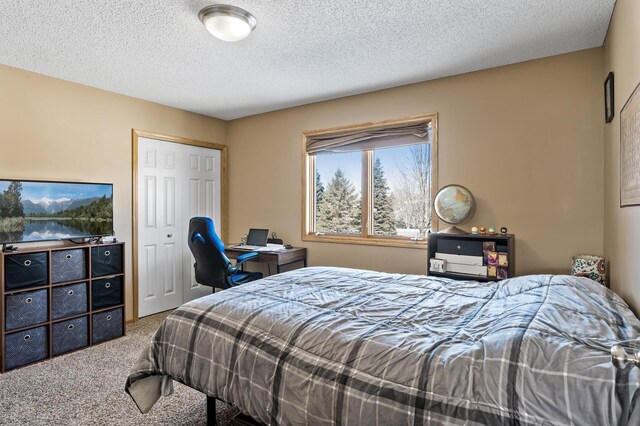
[[161, 226], [202, 193]]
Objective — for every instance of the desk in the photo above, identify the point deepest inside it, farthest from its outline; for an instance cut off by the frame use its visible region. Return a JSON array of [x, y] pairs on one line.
[[279, 258]]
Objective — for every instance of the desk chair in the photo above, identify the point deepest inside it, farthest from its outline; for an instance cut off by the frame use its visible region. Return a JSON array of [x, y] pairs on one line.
[[213, 268]]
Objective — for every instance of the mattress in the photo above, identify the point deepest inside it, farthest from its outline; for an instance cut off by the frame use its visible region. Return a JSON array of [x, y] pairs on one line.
[[354, 347]]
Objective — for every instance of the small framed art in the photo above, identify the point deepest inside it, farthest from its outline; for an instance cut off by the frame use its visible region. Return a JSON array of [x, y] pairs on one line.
[[608, 99]]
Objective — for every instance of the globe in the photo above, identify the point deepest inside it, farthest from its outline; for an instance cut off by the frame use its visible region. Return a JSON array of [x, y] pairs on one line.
[[454, 204]]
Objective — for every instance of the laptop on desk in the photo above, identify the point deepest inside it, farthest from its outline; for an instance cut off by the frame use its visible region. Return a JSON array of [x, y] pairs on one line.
[[257, 238]]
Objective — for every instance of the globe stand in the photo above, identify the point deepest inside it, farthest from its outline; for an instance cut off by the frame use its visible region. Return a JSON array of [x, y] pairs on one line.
[[453, 230]]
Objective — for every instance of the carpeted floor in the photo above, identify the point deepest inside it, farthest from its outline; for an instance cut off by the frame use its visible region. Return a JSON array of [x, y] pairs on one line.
[[87, 387]]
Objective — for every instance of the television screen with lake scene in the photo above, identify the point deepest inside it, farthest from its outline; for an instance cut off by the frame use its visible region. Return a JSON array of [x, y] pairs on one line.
[[45, 211]]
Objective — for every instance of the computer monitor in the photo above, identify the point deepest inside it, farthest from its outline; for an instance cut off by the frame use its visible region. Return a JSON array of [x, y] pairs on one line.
[[257, 237]]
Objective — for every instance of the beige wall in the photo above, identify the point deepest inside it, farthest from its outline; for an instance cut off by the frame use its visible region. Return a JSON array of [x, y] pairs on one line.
[[526, 139], [52, 129], [621, 225]]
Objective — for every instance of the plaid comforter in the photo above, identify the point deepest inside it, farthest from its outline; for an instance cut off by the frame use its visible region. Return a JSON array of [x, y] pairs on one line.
[[341, 346]]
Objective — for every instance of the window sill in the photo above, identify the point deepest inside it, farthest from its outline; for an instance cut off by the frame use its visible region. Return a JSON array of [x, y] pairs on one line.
[[369, 241]]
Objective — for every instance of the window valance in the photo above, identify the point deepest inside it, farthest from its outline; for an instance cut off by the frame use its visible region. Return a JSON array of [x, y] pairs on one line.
[[367, 139]]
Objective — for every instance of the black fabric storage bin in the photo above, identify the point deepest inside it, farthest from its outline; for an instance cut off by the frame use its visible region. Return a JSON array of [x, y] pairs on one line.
[[70, 335], [107, 325], [25, 347], [68, 265], [106, 292], [463, 247], [69, 300], [106, 260], [25, 309], [26, 270]]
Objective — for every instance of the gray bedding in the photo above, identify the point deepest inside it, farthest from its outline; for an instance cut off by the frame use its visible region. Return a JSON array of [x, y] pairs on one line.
[[341, 346]]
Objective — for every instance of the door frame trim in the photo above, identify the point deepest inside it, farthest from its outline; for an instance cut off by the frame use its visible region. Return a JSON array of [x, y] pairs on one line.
[[224, 212]]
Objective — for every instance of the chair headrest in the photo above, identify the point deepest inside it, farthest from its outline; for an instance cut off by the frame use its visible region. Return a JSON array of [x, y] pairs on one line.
[[201, 230]]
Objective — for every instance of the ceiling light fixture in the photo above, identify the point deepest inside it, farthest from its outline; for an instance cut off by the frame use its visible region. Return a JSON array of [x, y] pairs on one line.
[[228, 23]]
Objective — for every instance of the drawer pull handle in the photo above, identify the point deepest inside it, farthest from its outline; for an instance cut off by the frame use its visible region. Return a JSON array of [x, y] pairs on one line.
[[68, 256], [28, 300], [70, 327], [27, 262], [27, 337], [107, 285], [108, 317], [107, 253], [70, 292]]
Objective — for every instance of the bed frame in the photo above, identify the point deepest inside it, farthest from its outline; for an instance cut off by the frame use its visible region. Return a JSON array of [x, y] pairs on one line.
[[211, 411], [238, 420]]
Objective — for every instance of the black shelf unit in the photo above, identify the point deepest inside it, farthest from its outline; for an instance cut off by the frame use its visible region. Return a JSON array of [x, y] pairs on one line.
[[507, 242], [93, 316]]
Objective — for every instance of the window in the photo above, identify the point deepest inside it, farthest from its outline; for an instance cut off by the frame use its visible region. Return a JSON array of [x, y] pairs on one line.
[[370, 184], [338, 193]]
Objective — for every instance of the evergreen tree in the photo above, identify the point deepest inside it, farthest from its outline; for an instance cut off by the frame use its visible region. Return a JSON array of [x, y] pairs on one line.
[[339, 210], [319, 189], [383, 216], [11, 201]]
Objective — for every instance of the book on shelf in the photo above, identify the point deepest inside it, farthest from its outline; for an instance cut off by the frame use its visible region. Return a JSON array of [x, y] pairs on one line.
[[480, 271], [460, 259]]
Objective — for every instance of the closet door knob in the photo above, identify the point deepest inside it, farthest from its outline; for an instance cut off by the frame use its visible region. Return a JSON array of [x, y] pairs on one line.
[[169, 235]]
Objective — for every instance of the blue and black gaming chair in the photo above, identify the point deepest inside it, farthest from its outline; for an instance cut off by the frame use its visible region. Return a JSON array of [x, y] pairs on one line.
[[213, 267]]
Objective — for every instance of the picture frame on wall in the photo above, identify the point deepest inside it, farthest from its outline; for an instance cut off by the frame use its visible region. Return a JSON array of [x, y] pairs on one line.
[[609, 99], [630, 151]]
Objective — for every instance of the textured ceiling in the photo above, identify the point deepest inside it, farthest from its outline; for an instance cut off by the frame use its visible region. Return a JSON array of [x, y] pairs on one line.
[[301, 51]]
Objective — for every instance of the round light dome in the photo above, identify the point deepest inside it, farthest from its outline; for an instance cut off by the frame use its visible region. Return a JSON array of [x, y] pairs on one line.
[[228, 23]]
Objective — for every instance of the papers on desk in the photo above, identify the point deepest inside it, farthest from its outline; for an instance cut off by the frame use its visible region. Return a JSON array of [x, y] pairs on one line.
[[271, 247], [268, 247]]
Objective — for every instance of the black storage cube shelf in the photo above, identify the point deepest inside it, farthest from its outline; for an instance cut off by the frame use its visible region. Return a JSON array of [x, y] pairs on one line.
[[70, 335], [27, 308], [69, 300], [26, 270], [25, 347], [107, 325], [68, 265], [106, 292], [106, 260], [59, 299]]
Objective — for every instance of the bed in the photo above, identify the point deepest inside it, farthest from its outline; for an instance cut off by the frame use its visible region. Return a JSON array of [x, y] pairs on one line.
[[353, 347]]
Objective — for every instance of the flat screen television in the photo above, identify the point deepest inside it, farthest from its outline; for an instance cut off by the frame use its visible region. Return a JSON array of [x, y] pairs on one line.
[[48, 211]]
